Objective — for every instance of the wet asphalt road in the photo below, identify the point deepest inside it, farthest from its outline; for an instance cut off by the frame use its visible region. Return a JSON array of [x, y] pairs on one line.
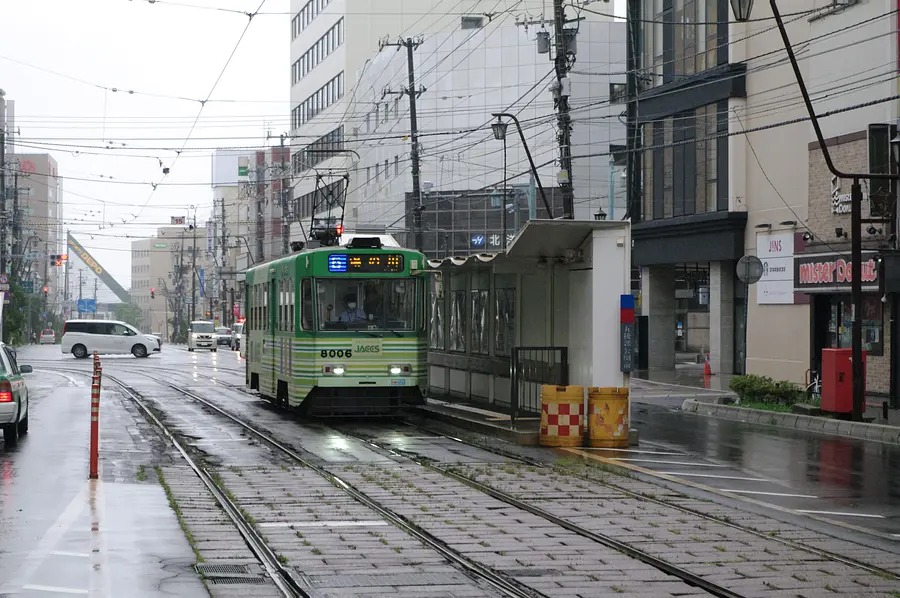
[[848, 481]]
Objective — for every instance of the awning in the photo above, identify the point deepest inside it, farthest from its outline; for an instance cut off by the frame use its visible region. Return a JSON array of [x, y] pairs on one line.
[[549, 239]]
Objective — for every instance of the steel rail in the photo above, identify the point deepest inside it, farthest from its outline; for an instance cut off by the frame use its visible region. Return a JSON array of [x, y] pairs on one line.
[[473, 569], [280, 576], [880, 572], [684, 575]]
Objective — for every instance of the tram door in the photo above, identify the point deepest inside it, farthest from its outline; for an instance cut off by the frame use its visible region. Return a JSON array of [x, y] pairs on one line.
[[274, 307]]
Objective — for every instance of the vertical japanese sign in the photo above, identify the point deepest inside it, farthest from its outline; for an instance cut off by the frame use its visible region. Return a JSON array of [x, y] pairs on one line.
[[202, 276], [626, 323]]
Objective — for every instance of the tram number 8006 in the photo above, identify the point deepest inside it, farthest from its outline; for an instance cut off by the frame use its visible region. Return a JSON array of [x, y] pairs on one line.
[[337, 353]]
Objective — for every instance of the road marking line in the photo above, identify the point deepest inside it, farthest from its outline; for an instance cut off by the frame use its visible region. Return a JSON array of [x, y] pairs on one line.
[[843, 514], [705, 488], [323, 523], [768, 493], [709, 475], [895, 535], [83, 555], [669, 462], [55, 590]]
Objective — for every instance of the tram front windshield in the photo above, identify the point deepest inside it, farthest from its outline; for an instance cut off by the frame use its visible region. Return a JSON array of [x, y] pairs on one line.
[[366, 304]]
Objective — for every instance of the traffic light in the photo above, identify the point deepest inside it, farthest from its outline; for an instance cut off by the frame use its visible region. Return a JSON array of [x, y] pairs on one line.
[[46, 291], [152, 292]]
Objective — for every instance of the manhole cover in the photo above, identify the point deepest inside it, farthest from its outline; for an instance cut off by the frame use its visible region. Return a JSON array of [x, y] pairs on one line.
[[214, 569], [220, 581]]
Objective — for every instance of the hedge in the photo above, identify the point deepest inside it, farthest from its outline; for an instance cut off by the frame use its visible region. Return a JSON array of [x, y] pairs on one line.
[[763, 389]]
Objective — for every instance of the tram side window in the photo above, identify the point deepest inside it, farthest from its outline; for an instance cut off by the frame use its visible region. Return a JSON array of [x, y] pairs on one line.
[[281, 303], [265, 310], [306, 305], [293, 305]]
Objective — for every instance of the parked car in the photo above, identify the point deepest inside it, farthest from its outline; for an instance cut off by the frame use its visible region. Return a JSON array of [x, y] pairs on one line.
[[202, 335], [223, 336], [13, 397], [107, 337], [48, 337], [238, 331]]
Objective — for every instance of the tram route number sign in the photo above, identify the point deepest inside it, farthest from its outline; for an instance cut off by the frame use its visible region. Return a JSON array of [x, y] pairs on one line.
[[365, 262]]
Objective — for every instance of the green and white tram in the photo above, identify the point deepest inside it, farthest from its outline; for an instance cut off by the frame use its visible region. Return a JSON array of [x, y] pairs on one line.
[[338, 330]]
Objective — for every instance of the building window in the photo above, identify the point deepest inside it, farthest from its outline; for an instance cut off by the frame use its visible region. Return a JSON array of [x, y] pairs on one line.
[[616, 93], [472, 22], [305, 15], [840, 324], [396, 165], [682, 37], [321, 99], [321, 49], [326, 146], [682, 163]]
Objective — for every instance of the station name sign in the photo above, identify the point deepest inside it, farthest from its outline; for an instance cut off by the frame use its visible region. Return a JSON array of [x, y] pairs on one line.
[[834, 270]]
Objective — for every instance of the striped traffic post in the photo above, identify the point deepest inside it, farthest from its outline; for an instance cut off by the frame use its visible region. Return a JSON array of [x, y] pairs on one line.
[[95, 425]]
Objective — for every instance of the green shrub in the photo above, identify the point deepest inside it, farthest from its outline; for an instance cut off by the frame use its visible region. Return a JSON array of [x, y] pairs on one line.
[[762, 389]]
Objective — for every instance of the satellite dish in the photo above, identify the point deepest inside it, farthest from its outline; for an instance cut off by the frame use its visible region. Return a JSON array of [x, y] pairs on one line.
[[749, 269]]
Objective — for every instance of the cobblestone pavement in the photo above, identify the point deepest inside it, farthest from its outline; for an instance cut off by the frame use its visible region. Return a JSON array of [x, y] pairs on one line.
[[722, 553], [534, 551]]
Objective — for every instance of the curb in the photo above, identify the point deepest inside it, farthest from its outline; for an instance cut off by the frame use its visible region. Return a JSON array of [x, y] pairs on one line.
[[686, 390], [795, 421], [474, 425]]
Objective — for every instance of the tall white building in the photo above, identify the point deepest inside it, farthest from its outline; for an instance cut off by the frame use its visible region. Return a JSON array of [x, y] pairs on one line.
[[347, 96]]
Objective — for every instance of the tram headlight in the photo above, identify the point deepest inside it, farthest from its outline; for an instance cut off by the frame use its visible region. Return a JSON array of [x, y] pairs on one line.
[[397, 369], [333, 370]]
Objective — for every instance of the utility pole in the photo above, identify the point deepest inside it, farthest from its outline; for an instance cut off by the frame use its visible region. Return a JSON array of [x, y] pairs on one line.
[[194, 271], [3, 252], [260, 221], [285, 206], [16, 222], [80, 289], [564, 121], [225, 267], [410, 44]]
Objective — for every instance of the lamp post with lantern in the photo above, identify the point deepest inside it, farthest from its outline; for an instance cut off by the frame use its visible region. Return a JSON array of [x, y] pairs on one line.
[[499, 129], [742, 10]]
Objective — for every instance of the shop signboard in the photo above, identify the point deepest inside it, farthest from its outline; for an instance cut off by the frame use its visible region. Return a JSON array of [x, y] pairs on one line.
[[832, 273], [776, 252]]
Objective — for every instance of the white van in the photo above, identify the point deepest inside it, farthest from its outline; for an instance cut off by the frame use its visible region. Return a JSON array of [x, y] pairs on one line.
[[202, 335], [107, 337]]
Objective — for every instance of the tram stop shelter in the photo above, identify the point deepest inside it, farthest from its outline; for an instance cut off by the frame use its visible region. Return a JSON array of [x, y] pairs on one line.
[[545, 311]]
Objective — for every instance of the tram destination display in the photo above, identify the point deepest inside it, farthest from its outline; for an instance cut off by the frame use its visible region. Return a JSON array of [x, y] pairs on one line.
[[365, 262]]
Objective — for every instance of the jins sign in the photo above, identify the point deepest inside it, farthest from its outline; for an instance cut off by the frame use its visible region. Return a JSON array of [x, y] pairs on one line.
[[817, 271]]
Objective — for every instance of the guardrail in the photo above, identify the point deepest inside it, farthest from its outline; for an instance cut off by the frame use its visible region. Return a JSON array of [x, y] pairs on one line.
[[530, 368]]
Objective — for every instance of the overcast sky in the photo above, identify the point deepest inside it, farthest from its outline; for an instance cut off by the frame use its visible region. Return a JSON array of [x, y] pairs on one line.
[[60, 60]]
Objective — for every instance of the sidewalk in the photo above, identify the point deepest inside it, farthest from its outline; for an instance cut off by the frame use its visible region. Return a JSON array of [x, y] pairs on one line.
[[64, 534]]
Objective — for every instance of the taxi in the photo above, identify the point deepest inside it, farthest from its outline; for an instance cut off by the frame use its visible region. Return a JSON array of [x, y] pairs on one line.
[[13, 397]]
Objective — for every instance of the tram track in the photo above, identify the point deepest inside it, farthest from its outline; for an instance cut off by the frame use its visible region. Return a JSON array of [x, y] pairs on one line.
[[506, 585], [866, 567], [501, 581], [511, 500], [280, 575]]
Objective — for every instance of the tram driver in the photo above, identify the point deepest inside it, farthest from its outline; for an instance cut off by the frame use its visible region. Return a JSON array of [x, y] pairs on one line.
[[353, 313]]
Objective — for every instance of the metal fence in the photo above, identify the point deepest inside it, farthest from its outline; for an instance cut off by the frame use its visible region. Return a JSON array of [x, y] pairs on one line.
[[530, 368]]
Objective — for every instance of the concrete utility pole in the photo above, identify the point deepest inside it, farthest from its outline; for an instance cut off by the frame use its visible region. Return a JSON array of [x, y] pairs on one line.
[[260, 220], [410, 44], [80, 289], [225, 267], [3, 252], [194, 271], [564, 121], [286, 216], [632, 129]]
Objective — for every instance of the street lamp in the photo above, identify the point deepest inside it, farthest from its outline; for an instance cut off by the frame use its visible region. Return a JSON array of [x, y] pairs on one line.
[[499, 129], [534, 171], [741, 9]]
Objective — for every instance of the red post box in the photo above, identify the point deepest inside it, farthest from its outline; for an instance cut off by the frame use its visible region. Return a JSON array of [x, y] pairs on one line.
[[837, 380]]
